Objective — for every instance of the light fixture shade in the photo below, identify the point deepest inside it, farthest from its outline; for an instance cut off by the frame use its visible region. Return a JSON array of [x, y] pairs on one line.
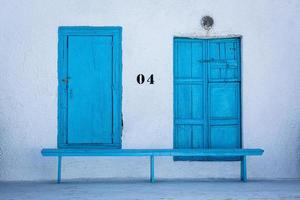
[[207, 22]]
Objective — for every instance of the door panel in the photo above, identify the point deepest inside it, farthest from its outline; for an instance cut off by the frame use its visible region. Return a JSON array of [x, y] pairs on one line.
[[90, 89], [197, 103], [198, 136], [184, 136], [183, 69], [190, 101], [224, 100], [224, 117], [189, 137], [224, 136], [188, 65], [184, 99], [198, 69], [223, 49], [224, 59]]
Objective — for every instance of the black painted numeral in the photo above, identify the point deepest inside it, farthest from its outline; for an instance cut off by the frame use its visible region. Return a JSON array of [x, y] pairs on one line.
[[140, 79], [151, 79]]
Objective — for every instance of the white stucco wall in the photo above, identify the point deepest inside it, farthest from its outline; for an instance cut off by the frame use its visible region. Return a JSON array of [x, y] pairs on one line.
[[28, 83]]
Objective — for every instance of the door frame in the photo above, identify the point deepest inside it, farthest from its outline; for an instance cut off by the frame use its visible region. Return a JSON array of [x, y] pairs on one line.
[[62, 112], [206, 38]]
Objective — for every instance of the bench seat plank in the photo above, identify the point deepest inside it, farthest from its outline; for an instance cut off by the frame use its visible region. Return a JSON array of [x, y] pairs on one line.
[[59, 153], [152, 152]]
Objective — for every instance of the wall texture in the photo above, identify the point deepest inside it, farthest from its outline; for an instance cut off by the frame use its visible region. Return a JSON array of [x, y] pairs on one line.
[[28, 83]]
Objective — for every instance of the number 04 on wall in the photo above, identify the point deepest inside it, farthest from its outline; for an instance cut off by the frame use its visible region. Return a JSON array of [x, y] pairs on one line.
[[140, 79]]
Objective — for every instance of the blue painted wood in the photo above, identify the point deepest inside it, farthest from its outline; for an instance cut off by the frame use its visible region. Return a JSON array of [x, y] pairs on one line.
[[207, 94], [89, 30], [59, 160], [90, 87], [224, 116], [62, 91], [224, 108], [151, 152], [154, 152], [189, 93], [90, 100], [152, 169], [244, 169]]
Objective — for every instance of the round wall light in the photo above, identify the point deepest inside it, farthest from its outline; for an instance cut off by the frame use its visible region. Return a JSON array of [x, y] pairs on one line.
[[207, 22]]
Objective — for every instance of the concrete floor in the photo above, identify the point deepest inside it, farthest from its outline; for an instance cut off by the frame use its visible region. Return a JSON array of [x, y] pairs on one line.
[[142, 190]]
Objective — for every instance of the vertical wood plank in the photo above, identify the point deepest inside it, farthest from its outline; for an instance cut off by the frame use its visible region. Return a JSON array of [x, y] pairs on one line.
[[184, 136], [197, 101], [184, 61], [198, 137], [117, 87], [184, 101], [197, 70]]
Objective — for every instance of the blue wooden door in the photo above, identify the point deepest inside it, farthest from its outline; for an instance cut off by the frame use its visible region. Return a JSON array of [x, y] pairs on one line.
[[206, 94], [90, 88], [224, 94], [190, 104]]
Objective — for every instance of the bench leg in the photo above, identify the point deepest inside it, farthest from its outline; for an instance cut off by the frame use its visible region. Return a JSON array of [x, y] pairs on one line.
[[243, 169], [59, 169], [152, 169]]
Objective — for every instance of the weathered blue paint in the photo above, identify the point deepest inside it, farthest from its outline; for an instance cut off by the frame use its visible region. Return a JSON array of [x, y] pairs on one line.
[[207, 95], [90, 87], [151, 152], [244, 169], [59, 161], [152, 169], [155, 152]]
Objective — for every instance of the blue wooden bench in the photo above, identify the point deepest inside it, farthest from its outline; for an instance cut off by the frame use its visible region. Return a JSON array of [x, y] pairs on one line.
[[243, 153]]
